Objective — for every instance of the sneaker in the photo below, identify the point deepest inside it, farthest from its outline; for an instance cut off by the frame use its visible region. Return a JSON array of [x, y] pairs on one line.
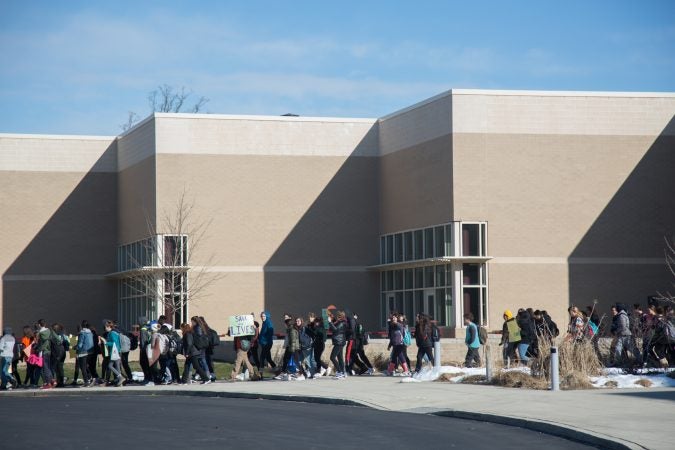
[[299, 378], [328, 371], [317, 375], [281, 376], [120, 382], [406, 374], [47, 386], [322, 372], [206, 382], [370, 371]]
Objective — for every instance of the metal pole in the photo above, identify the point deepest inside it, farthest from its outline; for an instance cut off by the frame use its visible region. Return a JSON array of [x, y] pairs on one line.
[[488, 363], [555, 381], [437, 355]]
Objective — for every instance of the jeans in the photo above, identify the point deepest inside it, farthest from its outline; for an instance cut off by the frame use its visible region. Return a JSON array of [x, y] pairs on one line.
[[626, 343], [114, 368], [319, 347], [266, 356], [57, 365], [421, 353], [337, 358], [308, 360], [82, 363], [5, 375], [193, 361], [522, 351], [145, 364], [47, 375], [472, 355], [125, 365], [92, 360]]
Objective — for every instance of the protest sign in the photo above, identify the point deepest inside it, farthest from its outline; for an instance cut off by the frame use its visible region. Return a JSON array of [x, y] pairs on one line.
[[242, 325]]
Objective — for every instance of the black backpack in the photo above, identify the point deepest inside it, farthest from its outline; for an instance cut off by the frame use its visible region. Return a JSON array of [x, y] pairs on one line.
[[201, 341], [214, 339], [134, 341], [175, 344], [306, 340], [56, 343]]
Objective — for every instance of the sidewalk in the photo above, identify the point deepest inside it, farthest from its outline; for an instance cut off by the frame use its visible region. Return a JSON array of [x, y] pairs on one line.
[[630, 418]]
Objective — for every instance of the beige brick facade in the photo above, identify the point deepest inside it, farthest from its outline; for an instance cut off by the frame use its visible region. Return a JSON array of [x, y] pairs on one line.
[[576, 188]]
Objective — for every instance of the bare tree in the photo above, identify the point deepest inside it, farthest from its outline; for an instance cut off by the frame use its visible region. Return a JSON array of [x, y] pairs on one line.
[[669, 252], [166, 99], [163, 271]]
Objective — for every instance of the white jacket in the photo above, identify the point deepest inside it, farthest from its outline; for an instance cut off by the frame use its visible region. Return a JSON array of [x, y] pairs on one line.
[[7, 346]]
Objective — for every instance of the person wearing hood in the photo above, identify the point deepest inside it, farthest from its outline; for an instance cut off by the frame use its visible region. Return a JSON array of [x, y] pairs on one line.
[[6, 355], [510, 337], [265, 340], [84, 348], [624, 337]]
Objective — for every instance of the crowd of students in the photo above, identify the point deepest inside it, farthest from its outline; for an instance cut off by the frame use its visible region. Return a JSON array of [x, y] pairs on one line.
[[523, 334], [43, 348]]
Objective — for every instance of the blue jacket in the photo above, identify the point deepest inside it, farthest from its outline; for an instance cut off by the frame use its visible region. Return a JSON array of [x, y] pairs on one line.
[[113, 339], [85, 342], [266, 335], [472, 339]]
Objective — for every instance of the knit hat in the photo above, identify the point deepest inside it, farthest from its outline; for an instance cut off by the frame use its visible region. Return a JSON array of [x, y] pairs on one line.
[[508, 314], [7, 330]]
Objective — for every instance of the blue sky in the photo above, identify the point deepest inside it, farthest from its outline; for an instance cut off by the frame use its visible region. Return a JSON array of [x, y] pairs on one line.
[[78, 67]]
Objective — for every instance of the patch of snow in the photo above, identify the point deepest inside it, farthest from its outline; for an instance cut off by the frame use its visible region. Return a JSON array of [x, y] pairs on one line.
[[625, 381]]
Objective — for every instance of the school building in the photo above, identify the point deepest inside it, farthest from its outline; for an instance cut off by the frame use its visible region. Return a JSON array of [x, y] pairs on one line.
[[473, 200]]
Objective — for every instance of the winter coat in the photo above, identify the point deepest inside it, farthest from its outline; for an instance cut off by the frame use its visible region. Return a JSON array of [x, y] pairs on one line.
[[113, 339], [44, 344], [266, 335], [339, 328], [396, 331], [189, 348], [85, 342], [7, 346], [471, 339], [622, 324], [423, 336], [528, 333], [293, 339], [319, 336]]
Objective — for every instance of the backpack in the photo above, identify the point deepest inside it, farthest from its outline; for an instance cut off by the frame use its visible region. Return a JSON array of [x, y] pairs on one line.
[[18, 351], [365, 338], [593, 327], [306, 340], [245, 343], [435, 334], [125, 343], [133, 339], [201, 341], [668, 330], [163, 343], [56, 343], [214, 339], [482, 335], [175, 344], [407, 339]]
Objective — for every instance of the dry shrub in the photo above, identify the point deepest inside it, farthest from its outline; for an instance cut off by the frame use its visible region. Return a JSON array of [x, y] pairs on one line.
[[575, 380], [644, 382], [517, 379], [579, 357], [380, 362], [611, 384], [447, 377], [474, 379]]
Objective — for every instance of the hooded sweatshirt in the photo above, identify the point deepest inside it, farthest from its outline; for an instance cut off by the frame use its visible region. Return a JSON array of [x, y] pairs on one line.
[[7, 345], [266, 331], [85, 342]]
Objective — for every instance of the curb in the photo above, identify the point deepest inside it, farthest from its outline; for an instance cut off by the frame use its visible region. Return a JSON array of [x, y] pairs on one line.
[[563, 431], [554, 429]]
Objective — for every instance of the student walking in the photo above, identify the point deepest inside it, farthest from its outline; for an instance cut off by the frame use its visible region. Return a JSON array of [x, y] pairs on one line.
[[472, 342], [112, 343], [265, 341], [191, 353], [424, 341], [338, 328], [83, 349]]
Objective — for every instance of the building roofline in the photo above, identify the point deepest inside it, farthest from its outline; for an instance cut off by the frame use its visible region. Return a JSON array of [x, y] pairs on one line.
[[417, 105], [60, 137], [524, 93], [263, 118]]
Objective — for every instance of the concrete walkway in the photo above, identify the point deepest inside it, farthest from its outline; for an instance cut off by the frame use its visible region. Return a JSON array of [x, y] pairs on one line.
[[626, 418]]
